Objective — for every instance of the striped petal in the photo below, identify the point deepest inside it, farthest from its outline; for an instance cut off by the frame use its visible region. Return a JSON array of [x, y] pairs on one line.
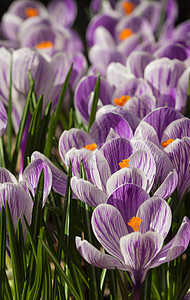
[[7, 176], [168, 186], [87, 192], [115, 151], [127, 199], [156, 216], [108, 227], [96, 258]]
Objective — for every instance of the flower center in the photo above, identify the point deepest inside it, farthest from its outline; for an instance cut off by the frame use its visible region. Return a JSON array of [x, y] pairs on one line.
[[134, 223], [91, 147], [125, 33], [166, 143], [128, 7], [124, 163], [122, 100], [31, 12], [45, 44]]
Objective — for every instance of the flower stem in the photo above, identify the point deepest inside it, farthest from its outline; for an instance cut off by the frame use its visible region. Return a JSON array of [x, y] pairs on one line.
[[137, 292]]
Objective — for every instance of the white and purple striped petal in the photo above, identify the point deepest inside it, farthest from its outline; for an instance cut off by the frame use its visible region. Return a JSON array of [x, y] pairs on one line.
[[74, 137], [156, 216], [101, 128], [96, 258], [108, 227], [99, 170], [7, 176], [115, 151], [3, 119], [59, 179], [127, 199], [87, 192], [168, 186], [126, 175]]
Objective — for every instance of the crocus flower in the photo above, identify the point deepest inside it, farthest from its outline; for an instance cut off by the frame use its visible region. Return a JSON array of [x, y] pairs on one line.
[[139, 249], [18, 12]]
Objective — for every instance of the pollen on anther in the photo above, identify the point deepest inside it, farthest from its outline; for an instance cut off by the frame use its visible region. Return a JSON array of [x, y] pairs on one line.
[[31, 12], [91, 147], [134, 223], [125, 33], [128, 7], [124, 163], [166, 143], [44, 45], [122, 100]]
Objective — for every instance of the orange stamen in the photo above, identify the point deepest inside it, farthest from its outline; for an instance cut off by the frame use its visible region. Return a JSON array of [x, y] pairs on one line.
[[125, 33], [122, 100], [91, 147], [46, 44], [128, 7], [134, 223], [31, 12], [124, 163], [166, 143]]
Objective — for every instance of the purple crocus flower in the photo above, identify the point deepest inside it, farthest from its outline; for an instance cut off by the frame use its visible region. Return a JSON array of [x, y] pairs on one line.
[[135, 252], [18, 12]]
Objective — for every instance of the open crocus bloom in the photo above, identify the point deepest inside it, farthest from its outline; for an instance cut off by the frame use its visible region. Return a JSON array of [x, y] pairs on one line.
[[134, 251]]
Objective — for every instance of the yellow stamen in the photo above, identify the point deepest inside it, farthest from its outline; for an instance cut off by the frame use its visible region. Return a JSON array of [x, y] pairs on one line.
[[128, 7], [125, 33], [166, 143], [31, 12], [124, 163], [91, 147], [45, 44], [122, 100], [134, 223]]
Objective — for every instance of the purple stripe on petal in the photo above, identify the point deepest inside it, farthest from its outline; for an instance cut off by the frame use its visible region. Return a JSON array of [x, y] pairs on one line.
[[126, 175], [139, 249], [87, 192], [127, 198], [7, 176], [108, 227], [96, 258], [156, 215], [168, 186], [176, 246], [101, 127], [115, 151]]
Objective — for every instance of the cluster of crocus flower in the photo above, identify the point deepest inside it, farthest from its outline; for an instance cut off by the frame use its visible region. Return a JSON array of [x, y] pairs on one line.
[[136, 154]]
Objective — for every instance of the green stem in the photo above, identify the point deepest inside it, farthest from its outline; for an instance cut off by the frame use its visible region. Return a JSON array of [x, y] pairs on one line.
[[137, 292]]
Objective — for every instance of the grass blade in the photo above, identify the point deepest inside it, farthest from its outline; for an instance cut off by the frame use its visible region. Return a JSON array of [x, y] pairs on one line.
[[94, 103]]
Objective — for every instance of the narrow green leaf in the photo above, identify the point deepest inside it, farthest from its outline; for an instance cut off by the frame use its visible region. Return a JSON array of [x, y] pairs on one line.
[[60, 271], [48, 145], [94, 103], [17, 274], [34, 99], [2, 158], [21, 128], [30, 238], [2, 251], [8, 292]]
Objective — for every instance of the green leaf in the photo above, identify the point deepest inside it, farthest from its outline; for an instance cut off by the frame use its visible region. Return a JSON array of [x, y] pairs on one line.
[[60, 271], [34, 100], [39, 278], [94, 103], [21, 128], [17, 273], [71, 121], [2, 251]]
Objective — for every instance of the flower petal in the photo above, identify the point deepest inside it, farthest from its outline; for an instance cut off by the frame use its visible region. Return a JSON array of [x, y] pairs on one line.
[[96, 258], [126, 175], [156, 215], [115, 151], [168, 186], [87, 192], [108, 227], [127, 198]]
